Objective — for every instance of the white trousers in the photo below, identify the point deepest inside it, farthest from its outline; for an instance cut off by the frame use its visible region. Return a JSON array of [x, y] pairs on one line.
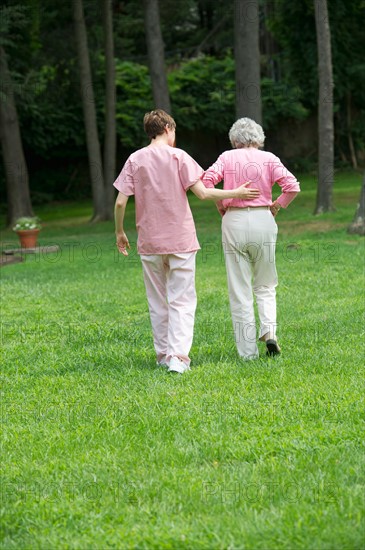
[[170, 286], [249, 239]]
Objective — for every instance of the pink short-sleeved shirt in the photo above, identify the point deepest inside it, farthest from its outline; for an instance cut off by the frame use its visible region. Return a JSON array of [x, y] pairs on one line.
[[159, 177], [262, 168]]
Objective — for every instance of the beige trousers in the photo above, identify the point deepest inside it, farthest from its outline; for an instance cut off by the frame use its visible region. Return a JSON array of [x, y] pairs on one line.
[[249, 239], [170, 286]]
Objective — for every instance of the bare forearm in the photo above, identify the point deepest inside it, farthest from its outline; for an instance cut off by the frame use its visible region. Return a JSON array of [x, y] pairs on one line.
[[207, 193], [219, 194], [204, 193], [119, 212]]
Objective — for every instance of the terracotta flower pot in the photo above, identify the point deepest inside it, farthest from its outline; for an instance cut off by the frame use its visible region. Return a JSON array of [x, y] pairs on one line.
[[28, 237]]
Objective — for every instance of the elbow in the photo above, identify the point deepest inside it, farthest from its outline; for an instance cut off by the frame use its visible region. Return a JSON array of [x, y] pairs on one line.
[[203, 194], [200, 191], [119, 204]]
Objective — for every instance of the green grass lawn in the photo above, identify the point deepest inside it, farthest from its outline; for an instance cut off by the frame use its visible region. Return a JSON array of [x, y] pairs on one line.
[[103, 449]]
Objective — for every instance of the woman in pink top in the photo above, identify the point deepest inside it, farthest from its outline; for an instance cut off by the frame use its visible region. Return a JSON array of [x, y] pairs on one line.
[[249, 233], [159, 177]]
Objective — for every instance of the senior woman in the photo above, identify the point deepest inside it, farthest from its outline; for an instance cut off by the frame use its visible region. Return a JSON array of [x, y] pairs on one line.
[[249, 233]]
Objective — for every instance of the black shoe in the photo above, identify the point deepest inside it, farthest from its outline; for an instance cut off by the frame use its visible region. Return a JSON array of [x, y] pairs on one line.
[[272, 348]]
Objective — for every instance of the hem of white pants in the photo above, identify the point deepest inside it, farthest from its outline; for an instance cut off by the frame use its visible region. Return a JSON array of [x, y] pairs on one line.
[[249, 357], [271, 335]]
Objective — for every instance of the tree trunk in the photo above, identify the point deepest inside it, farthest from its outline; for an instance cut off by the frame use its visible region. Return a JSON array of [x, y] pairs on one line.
[[358, 223], [325, 110], [156, 56], [349, 124], [17, 181], [110, 141], [247, 59], [88, 104]]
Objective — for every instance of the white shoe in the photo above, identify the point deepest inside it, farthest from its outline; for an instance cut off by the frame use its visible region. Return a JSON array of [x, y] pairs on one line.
[[162, 364], [176, 365]]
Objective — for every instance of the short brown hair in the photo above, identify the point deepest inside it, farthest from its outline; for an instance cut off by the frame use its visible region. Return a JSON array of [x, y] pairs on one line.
[[154, 123]]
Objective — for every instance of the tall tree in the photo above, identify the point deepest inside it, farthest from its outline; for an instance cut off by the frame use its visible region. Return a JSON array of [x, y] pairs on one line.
[[17, 181], [247, 59], [156, 55], [110, 139], [325, 110], [358, 223], [88, 104]]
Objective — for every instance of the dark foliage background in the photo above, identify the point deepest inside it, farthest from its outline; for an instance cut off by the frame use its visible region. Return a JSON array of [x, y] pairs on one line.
[[198, 34]]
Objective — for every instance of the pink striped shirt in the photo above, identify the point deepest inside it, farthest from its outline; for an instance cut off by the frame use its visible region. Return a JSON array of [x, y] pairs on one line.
[[262, 168]]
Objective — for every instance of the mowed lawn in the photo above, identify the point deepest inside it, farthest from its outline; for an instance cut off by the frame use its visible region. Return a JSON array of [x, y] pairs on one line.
[[102, 449]]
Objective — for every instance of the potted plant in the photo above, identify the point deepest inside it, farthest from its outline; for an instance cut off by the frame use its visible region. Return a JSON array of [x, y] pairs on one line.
[[27, 229]]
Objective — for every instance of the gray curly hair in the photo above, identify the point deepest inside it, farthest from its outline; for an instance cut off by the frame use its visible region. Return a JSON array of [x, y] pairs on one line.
[[245, 132]]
